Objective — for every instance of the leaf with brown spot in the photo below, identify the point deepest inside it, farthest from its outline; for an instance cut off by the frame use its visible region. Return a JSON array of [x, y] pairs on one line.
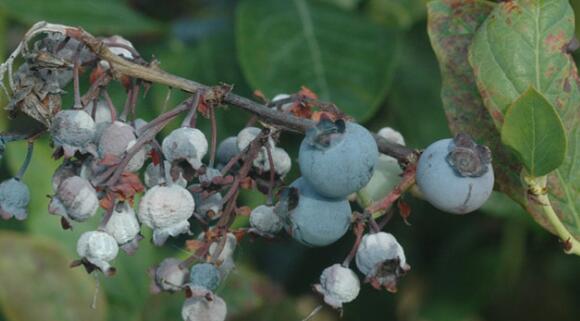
[[452, 25], [523, 44]]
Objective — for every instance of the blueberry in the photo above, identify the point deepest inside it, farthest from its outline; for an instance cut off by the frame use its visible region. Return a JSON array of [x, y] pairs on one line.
[[124, 227], [187, 144], [313, 219], [455, 175], [203, 309], [98, 248], [14, 199], [382, 260], [265, 220], [117, 139], [75, 199], [74, 130], [338, 285], [168, 276], [227, 149], [338, 159], [375, 249], [166, 210], [205, 275]]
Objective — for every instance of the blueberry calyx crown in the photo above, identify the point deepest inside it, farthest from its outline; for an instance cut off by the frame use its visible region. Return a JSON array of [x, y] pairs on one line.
[[468, 158], [325, 132]]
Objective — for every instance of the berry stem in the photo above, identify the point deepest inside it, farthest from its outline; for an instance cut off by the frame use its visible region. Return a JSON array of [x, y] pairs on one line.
[[272, 182], [152, 73], [76, 85], [537, 189], [213, 136], [26, 162], [404, 185]]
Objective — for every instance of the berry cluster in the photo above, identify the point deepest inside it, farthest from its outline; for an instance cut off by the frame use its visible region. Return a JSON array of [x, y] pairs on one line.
[[190, 181]]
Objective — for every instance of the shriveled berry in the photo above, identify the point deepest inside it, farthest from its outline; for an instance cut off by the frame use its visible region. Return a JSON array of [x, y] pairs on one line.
[[265, 220], [382, 260], [67, 169], [208, 206], [74, 130], [202, 309], [117, 139], [187, 144], [338, 285], [75, 199], [281, 160], [124, 227], [98, 248], [338, 159], [14, 199], [170, 275], [166, 210]]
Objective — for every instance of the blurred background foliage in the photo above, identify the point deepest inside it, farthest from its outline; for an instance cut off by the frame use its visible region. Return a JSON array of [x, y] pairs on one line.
[[371, 57]]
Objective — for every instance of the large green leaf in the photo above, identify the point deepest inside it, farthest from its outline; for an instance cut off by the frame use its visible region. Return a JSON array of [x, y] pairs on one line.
[[533, 129], [452, 25], [105, 16], [284, 45], [36, 283], [523, 44]]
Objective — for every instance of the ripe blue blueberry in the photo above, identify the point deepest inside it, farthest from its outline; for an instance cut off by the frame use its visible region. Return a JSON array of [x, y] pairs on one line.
[[204, 275], [14, 198], [338, 159], [227, 150], [455, 175], [311, 218]]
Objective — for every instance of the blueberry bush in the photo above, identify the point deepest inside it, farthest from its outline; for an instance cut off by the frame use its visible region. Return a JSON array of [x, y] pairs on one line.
[[289, 160]]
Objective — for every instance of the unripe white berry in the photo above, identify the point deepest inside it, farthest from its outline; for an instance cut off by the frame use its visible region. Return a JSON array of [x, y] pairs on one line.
[[391, 135]]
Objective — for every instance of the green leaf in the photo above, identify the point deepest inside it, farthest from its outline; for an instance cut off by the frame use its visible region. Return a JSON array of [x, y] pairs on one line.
[[344, 58], [533, 129], [105, 16], [38, 285], [523, 44]]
